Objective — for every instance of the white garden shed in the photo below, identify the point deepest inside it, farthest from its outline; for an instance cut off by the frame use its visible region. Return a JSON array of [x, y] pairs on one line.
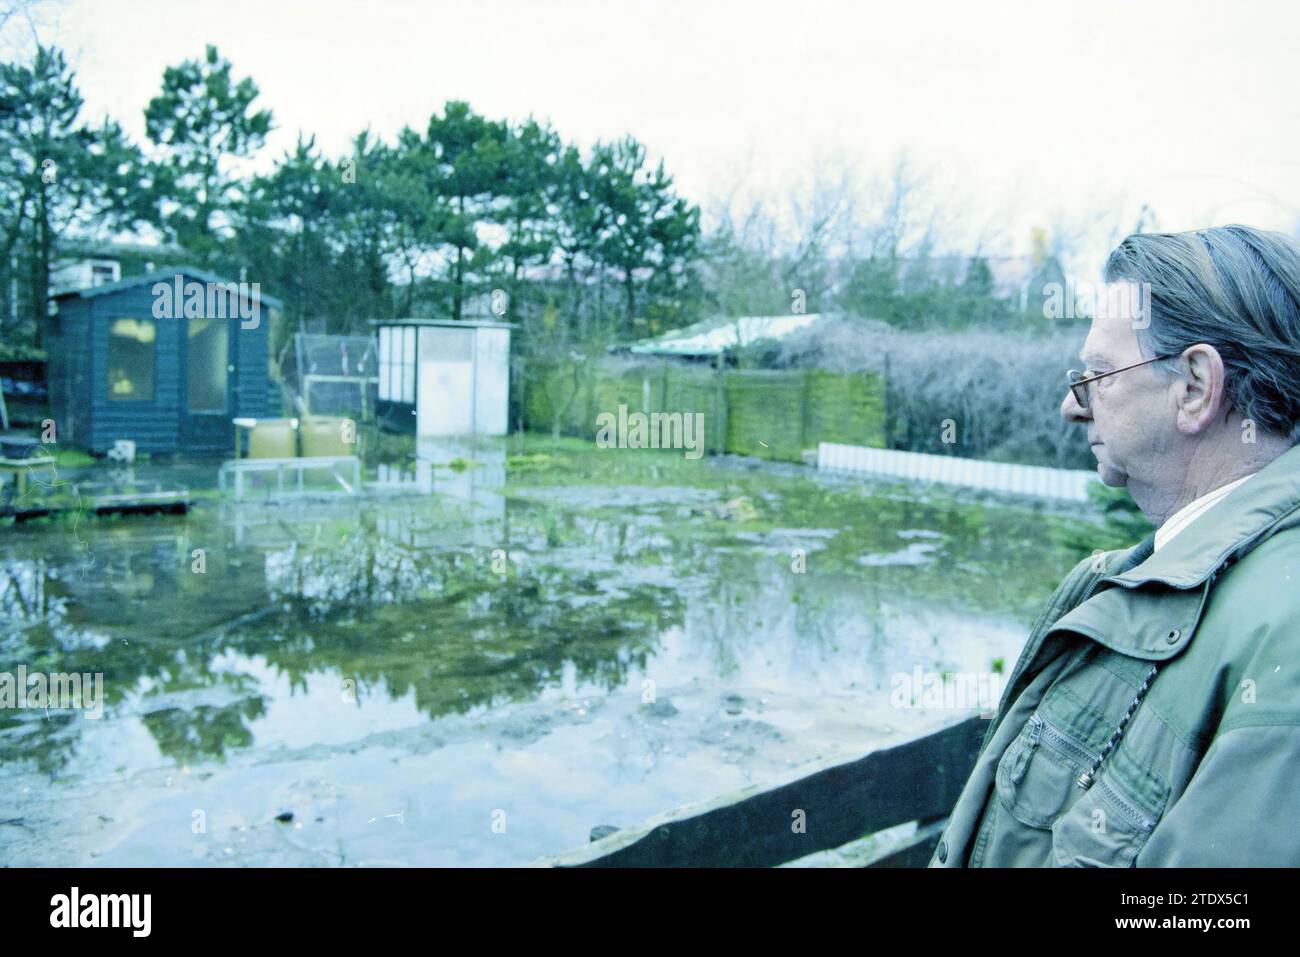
[[440, 377]]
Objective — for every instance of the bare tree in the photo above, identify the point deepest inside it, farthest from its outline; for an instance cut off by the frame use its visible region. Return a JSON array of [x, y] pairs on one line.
[[22, 22]]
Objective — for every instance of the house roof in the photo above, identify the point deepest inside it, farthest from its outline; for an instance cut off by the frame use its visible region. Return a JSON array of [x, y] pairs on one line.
[[162, 275], [713, 336]]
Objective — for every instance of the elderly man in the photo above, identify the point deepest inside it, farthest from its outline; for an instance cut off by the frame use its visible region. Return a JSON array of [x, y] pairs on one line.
[[1153, 718]]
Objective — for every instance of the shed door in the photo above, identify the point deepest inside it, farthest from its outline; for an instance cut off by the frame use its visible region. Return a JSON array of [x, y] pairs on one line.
[[208, 377], [446, 382]]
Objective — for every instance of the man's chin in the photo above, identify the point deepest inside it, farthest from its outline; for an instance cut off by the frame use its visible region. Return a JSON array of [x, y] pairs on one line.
[[1111, 476]]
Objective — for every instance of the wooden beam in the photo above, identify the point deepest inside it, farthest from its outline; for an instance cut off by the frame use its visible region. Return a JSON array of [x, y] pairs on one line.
[[916, 780], [907, 846]]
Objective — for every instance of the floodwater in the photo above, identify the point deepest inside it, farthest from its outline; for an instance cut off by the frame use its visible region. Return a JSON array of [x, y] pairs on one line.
[[501, 648]]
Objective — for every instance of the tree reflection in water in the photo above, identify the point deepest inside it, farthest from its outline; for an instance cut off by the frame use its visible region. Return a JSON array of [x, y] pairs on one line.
[[352, 596], [600, 557]]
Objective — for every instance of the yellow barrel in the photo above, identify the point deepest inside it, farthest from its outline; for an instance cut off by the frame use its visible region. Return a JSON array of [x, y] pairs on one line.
[[273, 439], [327, 435]]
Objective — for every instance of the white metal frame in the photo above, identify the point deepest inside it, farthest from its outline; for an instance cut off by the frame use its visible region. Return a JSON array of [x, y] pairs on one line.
[[238, 468]]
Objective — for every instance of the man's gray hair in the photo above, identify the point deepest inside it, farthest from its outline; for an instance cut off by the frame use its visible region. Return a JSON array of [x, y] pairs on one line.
[[1232, 287]]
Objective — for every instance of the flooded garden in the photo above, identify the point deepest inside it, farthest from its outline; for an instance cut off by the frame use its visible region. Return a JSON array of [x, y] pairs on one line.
[[492, 652]]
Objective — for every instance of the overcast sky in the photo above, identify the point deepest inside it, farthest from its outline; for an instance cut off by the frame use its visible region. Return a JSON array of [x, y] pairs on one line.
[[1029, 113]]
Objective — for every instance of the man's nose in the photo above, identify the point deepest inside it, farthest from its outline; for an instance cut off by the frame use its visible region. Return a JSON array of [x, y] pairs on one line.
[[1071, 411]]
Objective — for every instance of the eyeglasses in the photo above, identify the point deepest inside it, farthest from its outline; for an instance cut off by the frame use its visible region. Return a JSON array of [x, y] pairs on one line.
[[1079, 382]]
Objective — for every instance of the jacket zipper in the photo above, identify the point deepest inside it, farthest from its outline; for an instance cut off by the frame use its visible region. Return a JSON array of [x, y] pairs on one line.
[[1067, 744], [1136, 814], [1036, 725], [1074, 749], [1063, 742]]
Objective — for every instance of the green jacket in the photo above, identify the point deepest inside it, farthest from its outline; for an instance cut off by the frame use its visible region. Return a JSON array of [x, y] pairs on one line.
[[1205, 771]]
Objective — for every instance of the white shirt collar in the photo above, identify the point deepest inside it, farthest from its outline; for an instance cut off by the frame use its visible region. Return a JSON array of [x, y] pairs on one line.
[[1191, 511]]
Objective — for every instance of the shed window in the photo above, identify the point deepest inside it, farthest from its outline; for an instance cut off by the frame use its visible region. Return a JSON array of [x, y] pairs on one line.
[[131, 359], [408, 364], [385, 362], [397, 364], [207, 358]]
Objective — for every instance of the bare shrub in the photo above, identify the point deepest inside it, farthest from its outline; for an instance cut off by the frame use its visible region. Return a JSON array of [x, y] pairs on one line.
[[1001, 390]]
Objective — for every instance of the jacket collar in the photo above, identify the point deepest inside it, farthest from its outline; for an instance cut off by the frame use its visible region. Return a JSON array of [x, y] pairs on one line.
[[1269, 502], [1128, 610]]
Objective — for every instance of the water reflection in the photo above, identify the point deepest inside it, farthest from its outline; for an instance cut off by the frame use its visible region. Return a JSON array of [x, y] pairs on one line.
[[381, 596], [455, 592]]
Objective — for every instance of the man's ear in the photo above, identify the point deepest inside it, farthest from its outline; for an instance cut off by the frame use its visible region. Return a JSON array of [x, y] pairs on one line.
[[1202, 397]]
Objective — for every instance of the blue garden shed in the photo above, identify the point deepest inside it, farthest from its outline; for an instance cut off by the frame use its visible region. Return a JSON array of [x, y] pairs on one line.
[[165, 360]]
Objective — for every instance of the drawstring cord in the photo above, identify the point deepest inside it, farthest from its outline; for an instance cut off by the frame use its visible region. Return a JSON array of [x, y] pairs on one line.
[[1087, 777]]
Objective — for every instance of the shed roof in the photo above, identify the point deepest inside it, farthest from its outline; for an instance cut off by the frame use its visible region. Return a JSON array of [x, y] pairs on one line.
[[162, 275]]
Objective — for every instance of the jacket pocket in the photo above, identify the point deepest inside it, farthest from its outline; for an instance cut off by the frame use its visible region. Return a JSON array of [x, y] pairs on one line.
[[1110, 824], [1036, 776]]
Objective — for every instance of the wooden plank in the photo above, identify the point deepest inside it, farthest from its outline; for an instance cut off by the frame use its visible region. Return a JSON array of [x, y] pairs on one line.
[[916, 851], [143, 508], [102, 502], [911, 847], [103, 497], [31, 462], [919, 779]]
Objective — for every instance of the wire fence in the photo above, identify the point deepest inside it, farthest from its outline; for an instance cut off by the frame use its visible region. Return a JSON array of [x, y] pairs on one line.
[[331, 375]]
